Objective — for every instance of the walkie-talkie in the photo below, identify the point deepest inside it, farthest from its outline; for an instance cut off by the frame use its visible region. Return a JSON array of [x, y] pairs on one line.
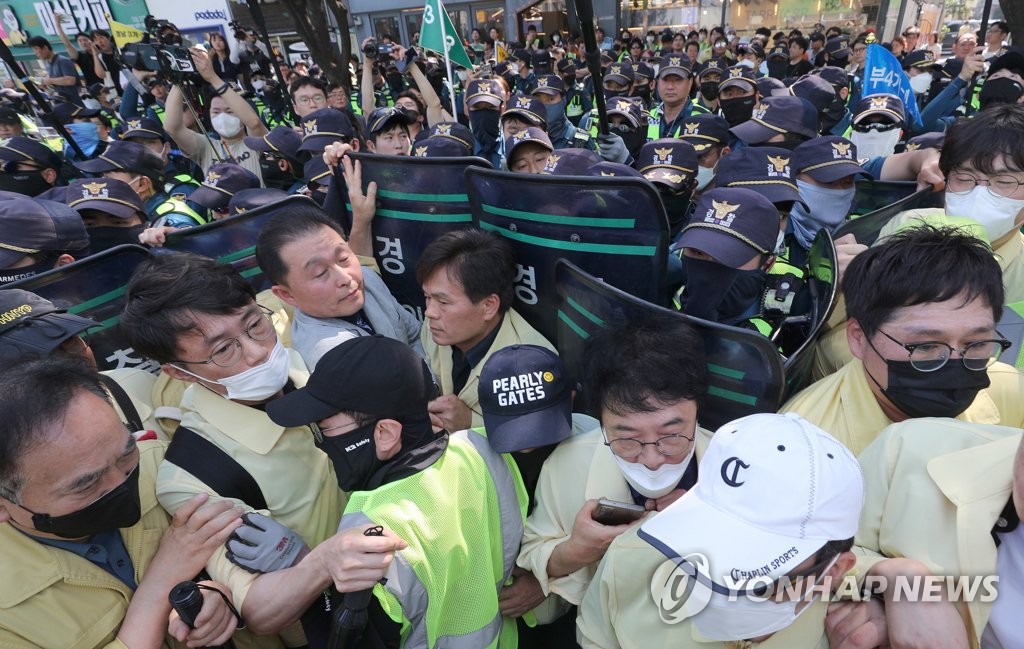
[[187, 600]]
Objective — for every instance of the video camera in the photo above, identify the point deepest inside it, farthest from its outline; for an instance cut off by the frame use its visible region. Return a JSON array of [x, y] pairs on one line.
[[378, 51], [162, 52], [240, 33]]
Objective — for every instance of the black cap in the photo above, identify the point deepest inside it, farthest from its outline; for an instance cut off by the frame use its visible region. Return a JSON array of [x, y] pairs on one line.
[[541, 60], [526, 136], [732, 225], [223, 180], [107, 195], [621, 73], [670, 162], [484, 92], [677, 64], [528, 108], [814, 89], [380, 118], [779, 52], [29, 226], [775, 115], [704, 131], [373, 375], [816, 36], [642, 70], [751, 48], [768, 170], [827, 159], [521, 55], [1013, 59], [323, 127], [440, 147], [9, 116], [549, 84], [131, 157], [144, 127], [66, 112], [712, 67], [605, 169], [31, 327], [835, 76], [932, 140], [571, 162], [526, 398], [918, 59], [452, 131], [24, 149], [767, 86], [889, 106], [281, 140], [629, 107], [566, 66], [250, 199], [737, 75], [316, 171]]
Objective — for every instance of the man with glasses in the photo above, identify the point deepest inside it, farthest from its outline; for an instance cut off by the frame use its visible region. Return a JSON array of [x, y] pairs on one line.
[[994, 38], [308, 94], [200, 320], [924, 340], [642, 454]]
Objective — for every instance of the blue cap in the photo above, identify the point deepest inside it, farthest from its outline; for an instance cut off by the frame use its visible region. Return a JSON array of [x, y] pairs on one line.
[[888, 106], [527, 107], [281, 140], [675, 63], [704, 131], [531, 134], [380, 118], [223, 180], [33, 327], [629, 107], [827, 159], [250, 199], [549, 84], [814, 89], [778, 115], [737, 75], [29, 226], [571, 162], [24, 149], [107, 195], [130, 157], [621, 73], [323, 127], [441, 147], [144, 127], [766, 169], [668, 161], [452, 131], [484, 91], [732, 225], [607, 169]]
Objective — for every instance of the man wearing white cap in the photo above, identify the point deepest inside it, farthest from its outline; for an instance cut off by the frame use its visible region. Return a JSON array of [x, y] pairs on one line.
[[777, 504]]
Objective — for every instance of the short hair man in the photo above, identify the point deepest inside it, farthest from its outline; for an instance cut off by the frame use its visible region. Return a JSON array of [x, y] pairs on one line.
[[441, 492], [111, 210], [642, 453], [307, 258], [200, 320], [924, 341], [798, 63], [777, 503], [308, 94], [527, 151], [467, 278], [675, 77], [81, 525], [61, 74], [29, 167], [737, 94], [37, 236], [388, 130]]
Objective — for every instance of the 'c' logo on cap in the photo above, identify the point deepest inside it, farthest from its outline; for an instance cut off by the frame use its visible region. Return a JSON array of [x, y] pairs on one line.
[[731, 471]]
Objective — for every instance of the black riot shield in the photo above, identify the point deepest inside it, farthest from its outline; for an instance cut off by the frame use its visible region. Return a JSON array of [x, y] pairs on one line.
[[800, 332], [877, 202], [745, 370], [232, 240], [1011, 325], [94, 287], [418, 200], [613, 228]]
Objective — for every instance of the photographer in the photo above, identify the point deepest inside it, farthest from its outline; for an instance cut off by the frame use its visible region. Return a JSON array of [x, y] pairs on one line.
[[105, 58], [230, 115], [375, 89]]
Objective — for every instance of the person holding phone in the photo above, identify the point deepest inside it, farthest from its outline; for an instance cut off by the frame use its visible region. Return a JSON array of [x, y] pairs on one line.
[[642, 454]]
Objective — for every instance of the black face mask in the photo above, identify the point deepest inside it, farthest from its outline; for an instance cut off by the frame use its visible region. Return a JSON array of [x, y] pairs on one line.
[[677, 207], [777, 69], [484, 124], [354, 456], [318, 196], [41, 265], [946, 392], [709, 90], [612, 94], [633, 138], [835, 112], [119, 507], [106, 237], [273, 177], [718, 293], [555, 117], [644, 93], [29, 183], [737, 110]]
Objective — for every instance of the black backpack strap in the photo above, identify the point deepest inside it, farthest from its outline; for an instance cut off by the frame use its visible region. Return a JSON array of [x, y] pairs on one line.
[[124, 402], [208, 462]]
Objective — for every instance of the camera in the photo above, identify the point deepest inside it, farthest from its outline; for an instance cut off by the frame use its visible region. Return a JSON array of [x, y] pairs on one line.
[[173, 62], [164, 31], [240, 32], [381, 52]]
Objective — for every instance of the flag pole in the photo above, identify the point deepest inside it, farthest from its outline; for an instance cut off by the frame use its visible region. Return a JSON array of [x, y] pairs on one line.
[[443, 17]]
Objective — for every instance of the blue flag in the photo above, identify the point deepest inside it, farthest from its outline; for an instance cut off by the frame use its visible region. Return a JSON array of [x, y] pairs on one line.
[[883, 74]]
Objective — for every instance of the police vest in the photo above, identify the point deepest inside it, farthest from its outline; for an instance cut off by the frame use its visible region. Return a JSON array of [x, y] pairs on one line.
[[575, 106], [463, 520], [353, 103], [654, 125], [158, 110], [176, 206]]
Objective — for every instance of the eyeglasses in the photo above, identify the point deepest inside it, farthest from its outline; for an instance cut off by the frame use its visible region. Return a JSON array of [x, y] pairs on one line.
[[336, 95], [1003, 184], [858, 50], [229, 351], [667, 445], [318, 433], [933, 355], [310, 100]]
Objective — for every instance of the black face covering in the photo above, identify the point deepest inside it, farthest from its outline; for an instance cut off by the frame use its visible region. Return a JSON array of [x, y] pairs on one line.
[[354, 456], [106, 237], [29, 183], [41, 265], [633, 138], [718, 293], [777, 69], [485, 127], [318, 196], [612, 94], [677, 207], [273, 177], [709, 90], [833, 115], [119, 507], [555, 117], [644, 93], [946, 392], [738, 109]]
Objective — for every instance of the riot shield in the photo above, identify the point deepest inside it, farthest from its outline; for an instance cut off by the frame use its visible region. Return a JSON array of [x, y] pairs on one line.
[[418, 200], [745, 370], [613, 228], [232, 240], [1011, 325], [800, 332], [875, 204], [94, 287]]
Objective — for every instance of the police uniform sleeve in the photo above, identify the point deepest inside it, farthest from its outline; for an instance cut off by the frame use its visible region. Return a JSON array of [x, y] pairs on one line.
[[595, 624], [561, 491]]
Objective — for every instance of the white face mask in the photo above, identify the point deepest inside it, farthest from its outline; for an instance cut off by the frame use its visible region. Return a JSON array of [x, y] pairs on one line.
[[256, 383], [744, 618], [258, 85], [921, 83], [997, 213], [513, 68], [704, 176], [780, 244], [227, 125], [747, 63], [654, 483], [875, 144]]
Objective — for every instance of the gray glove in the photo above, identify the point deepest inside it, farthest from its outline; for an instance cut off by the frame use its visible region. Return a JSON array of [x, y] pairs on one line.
[[262, 544], [612, 148]]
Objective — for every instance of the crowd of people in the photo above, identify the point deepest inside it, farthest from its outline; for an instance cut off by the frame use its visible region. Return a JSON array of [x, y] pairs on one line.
[[327, 469]]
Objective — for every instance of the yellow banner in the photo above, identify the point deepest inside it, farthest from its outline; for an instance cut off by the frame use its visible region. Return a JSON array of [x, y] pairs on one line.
[[123, 34]]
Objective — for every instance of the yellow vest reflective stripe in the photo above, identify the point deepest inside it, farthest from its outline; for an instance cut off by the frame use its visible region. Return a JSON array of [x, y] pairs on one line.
[[762, 326], [158, 110], [471, 533], [179, 207], [654, 126], [575, 106]]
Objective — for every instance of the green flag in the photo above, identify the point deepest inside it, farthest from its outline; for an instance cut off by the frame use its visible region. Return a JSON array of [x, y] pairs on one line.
[[446, 43]]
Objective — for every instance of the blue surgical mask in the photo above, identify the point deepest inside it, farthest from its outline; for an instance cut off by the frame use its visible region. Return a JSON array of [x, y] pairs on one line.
[[85, 135], [826, 209]]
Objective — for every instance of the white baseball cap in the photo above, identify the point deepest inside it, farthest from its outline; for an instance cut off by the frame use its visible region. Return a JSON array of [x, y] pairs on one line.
[[771, 491]]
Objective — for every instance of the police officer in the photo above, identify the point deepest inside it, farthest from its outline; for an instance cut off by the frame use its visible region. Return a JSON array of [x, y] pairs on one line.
[[281, 162], [37, 236], [222, 182], [579, 90], [182, 175], [709, 135], [707, 79], [550, 91], [29, 167], [673, 86], [671, 166]]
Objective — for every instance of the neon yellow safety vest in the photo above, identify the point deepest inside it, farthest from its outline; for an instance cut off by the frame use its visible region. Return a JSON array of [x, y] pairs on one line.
[[654, 126], [463, 519], [158, 110], [180, 207]]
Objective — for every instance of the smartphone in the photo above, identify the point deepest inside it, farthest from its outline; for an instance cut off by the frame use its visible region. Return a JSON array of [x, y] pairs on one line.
[[612, 512]]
